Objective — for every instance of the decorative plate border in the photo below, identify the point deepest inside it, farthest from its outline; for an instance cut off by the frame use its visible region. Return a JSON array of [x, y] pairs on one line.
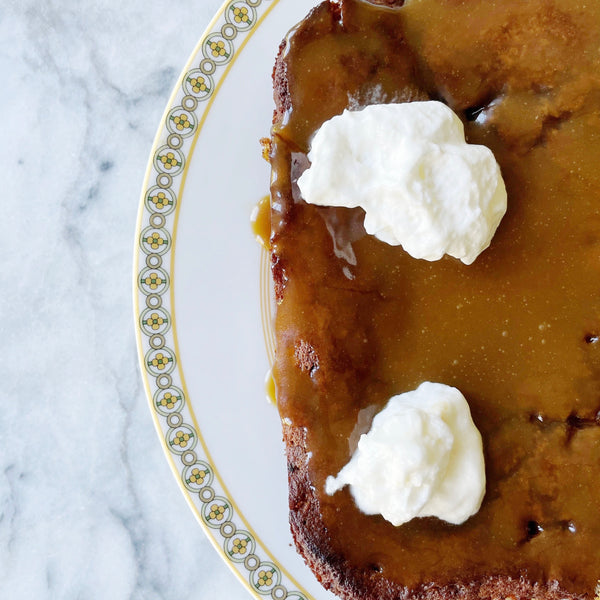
[[197, 87]]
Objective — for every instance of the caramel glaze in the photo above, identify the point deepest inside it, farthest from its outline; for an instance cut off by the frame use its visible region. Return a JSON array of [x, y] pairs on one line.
[[517, 332]]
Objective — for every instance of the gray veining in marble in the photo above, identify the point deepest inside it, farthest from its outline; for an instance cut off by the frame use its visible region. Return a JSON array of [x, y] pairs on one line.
[[88, 507]]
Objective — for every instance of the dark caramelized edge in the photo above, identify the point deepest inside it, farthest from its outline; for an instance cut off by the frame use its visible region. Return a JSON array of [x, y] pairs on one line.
[[312, 542]]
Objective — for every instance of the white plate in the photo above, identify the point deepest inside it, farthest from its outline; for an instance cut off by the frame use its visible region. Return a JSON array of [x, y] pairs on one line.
[[198, 279]]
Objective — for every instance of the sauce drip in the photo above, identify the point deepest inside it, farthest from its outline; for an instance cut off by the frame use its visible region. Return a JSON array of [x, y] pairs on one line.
[[261, 221]]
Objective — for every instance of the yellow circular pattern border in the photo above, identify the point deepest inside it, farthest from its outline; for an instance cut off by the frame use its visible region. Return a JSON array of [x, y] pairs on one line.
[[198, 84]]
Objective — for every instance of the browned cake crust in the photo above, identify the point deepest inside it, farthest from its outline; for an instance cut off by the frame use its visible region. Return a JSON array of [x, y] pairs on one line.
[[311, 538], [309, 531]]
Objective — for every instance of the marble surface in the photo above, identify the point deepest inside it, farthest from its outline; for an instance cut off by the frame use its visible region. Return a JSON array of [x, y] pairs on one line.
[[88, 506]]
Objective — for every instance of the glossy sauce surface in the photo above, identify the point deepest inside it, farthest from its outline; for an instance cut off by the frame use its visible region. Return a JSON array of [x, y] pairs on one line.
[[517, 332]]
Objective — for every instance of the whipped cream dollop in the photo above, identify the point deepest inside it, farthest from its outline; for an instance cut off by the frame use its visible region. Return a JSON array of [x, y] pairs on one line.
[[409, 167], [423, 457]]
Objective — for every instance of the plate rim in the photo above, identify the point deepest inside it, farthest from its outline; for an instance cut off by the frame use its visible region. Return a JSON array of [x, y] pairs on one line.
[[219, 527]]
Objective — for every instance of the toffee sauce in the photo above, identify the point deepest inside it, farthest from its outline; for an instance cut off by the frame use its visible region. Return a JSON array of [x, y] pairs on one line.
[[517, 332]]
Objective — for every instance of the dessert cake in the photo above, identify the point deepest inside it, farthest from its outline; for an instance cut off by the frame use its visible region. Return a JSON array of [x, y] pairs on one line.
[[359, 321]]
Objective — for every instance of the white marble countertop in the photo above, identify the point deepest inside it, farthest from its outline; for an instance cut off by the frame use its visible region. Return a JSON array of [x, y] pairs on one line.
[[88, 506]]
